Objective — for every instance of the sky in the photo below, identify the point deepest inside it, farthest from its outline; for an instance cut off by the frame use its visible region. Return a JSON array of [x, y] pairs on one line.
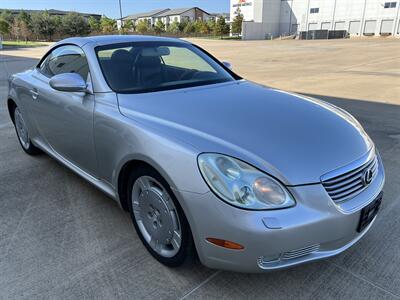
[[110, 8]]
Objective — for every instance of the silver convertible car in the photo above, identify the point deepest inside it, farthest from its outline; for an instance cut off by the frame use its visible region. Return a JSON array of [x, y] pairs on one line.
[[248, 177]]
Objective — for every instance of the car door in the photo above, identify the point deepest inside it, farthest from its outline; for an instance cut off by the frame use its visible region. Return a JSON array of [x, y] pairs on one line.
[[65, 119]]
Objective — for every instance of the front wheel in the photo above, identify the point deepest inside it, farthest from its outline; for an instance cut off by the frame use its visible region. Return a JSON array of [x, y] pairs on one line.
[[22, 133], [158, 218]]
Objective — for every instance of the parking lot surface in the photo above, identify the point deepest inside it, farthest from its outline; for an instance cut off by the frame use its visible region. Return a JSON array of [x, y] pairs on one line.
[[60, 238]]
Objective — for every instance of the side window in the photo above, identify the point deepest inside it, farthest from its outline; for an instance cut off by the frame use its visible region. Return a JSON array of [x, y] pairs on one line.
[[65, 59]]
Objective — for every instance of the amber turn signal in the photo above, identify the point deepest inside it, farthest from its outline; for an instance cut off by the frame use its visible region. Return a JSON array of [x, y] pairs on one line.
[[225, 244]]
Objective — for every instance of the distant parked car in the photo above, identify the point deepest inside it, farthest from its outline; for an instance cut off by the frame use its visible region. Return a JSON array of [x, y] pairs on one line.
[[249, 177]]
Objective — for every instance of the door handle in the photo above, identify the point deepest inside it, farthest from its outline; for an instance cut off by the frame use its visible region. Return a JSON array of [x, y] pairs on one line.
[[34, 94]]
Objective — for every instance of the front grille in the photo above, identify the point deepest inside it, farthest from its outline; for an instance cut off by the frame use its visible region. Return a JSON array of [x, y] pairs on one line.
[[299, 252], [351, 183]]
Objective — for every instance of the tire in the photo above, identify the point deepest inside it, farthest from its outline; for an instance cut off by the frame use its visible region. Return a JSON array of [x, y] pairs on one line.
[[22, 133], [158, 218]]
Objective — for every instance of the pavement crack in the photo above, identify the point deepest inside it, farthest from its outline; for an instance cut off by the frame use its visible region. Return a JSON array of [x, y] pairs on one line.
[[366, 280], [204, 282]]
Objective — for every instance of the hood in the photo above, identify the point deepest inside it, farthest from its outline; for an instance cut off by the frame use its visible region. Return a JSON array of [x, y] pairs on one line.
[[293, 138]]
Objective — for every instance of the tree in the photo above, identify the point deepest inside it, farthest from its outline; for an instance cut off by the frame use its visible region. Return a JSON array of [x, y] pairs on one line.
[[159, 27], [221, 28], [23, 16], [94, 24], [4, 26], [15, 29], [211, 25], [174, 28], [128, 25], [74, 24], [205, 28], [198, 25], [45, 25], [7, 16], [189, 28], [142, 26], [107, 25], [237, 22]]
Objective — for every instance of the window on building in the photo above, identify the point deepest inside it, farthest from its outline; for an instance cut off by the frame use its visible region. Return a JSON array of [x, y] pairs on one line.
[[390, 4], [314, 10]]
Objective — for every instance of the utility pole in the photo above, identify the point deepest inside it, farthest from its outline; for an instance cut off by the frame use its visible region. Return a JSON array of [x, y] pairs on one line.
[[308, 12]]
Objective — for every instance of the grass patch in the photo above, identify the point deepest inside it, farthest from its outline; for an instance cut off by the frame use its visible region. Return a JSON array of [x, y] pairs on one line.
[[21, 44]]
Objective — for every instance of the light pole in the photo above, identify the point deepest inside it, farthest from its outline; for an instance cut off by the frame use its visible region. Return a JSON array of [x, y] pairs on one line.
[[120, 15], [363, 18]]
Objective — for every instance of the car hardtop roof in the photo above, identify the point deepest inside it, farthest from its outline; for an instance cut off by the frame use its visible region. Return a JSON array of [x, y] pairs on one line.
[[102, 40]]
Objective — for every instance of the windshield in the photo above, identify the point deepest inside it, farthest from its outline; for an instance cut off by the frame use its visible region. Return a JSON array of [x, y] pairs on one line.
[[154, 66]]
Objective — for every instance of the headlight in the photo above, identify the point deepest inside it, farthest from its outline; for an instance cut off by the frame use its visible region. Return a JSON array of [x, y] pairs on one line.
[[241, 184]]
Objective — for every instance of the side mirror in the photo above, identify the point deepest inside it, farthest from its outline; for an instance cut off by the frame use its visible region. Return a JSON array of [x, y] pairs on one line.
[[227, 64], [68, 82]]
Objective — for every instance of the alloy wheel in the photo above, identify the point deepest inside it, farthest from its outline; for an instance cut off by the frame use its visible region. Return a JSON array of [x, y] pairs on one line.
[[22, 131], [156, 216]]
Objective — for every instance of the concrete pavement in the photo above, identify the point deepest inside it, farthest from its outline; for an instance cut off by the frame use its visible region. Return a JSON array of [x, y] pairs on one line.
[[60, 238]]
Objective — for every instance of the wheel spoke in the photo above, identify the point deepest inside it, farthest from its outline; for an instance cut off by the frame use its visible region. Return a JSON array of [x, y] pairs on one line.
[[176, 240], [144, 183], [155, 244]]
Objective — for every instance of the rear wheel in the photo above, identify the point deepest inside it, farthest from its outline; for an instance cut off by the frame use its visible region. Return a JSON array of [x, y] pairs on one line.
[[158, 218], [22, 133]]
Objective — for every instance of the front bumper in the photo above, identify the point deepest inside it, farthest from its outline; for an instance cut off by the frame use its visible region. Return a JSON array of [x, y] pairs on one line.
[[315, 228]]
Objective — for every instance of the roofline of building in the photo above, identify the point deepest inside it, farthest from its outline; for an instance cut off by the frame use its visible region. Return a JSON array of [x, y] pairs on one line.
[[194, 7], [145, 14]]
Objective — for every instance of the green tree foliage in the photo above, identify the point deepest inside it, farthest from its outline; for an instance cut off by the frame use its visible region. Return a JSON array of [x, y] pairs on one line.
[[221, 28], [74, 24], [174, 27], [202, 27], [128, 25], [159, 27], [142, 26], [94, 24], [7, 16], [211, 25], [107, 25], [189, 28], [23, 16], [4, 26], [45, 25], [237, 22]]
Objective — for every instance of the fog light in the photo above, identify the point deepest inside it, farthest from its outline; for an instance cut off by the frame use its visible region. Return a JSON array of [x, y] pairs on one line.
[[225, 244]]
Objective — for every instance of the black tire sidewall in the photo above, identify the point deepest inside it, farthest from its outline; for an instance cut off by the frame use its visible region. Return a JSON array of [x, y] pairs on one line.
[[186, 251]]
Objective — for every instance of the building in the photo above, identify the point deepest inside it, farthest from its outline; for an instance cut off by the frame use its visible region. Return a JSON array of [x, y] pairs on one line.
[[226, 16], [52, 12], [149, 16], [271, 18], [182, 15], [167, 16]]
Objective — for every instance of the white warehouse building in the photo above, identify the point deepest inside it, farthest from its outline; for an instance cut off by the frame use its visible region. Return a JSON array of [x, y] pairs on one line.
[[265, 18]]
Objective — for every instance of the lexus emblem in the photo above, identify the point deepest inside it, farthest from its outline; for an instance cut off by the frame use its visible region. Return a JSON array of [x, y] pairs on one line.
[[367, 177]]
